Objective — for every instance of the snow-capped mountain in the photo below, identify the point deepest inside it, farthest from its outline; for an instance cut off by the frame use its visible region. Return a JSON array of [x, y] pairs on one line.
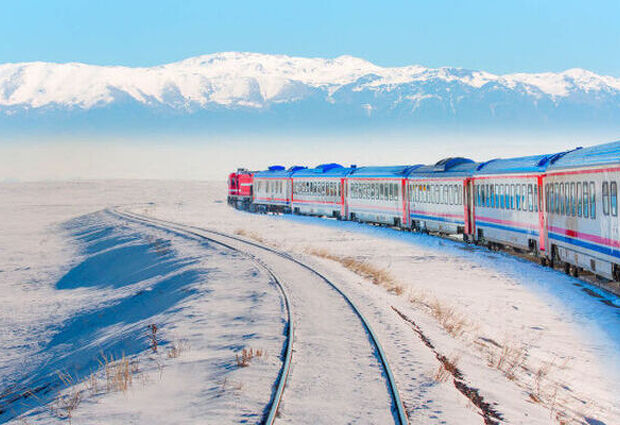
[[345, 85]]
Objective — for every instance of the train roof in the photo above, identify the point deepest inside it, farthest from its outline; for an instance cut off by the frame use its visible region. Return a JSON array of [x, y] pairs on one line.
[[608, 153], [386, 171], [523, 164], [275, 171], [323, 170], [448, 166]]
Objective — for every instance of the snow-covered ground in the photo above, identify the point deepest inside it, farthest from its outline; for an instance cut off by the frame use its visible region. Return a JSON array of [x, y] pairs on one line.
[[539, 347]]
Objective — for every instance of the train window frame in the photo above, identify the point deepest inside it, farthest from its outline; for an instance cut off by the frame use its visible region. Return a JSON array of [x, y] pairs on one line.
[[512, 196], [535, 189], [613, 195], [605, 197], [523, 197], [592, 200], [530, 197]]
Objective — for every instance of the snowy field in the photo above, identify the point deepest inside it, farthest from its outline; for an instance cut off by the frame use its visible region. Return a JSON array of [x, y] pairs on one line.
[[522, 344]]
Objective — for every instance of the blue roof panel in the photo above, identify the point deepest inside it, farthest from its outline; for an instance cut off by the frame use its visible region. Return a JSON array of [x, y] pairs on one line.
[[524, 164], [387, 171], [323, 170], [446, 167], [277, 171], [609, 153]]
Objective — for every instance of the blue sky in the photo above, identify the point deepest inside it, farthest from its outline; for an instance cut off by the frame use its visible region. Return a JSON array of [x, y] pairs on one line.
[[497, 36]]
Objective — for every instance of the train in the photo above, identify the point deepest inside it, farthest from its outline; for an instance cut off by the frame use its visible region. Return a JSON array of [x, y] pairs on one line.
[[561, 208]]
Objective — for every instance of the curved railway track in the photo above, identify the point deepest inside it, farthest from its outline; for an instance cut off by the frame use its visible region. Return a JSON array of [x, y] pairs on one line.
[[228, 241]]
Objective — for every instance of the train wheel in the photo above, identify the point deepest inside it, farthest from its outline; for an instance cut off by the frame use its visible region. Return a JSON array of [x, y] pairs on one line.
[[566, 268], [543, 261]]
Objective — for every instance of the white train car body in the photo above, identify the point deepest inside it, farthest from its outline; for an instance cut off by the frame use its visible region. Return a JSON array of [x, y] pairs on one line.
[[319, 191], [437, 198], [581, 191], [378, 195], [507, 202]]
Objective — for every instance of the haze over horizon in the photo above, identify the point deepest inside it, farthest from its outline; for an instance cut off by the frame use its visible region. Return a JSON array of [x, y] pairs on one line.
[[348, 82]]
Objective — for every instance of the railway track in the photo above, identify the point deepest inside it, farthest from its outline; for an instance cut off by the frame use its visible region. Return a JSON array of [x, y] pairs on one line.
[[308, 363]]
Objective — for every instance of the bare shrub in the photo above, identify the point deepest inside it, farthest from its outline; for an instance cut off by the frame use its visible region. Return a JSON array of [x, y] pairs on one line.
[[153, 339], [64, 405], [376, 275], [247, 355]]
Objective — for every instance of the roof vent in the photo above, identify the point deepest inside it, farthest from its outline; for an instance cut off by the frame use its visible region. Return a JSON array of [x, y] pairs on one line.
[[276, 168], [323, 168], [447, 163], [297, 168]]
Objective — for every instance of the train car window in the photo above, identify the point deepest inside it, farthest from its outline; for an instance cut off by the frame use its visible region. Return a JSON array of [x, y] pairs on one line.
[[535, 198], [530, 197], [512, 196], [573, 209], [579, 199], [501, 196], [592, 200], [523, 200], [613, 188], [396, 192], [381, 191], [491, 196], [586, 200], [605, 198], [547, 197], [391, 192], [565, 193], [562, 199]]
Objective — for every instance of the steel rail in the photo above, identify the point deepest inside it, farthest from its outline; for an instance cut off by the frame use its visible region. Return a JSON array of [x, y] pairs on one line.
[[276, 397], [398, 404]]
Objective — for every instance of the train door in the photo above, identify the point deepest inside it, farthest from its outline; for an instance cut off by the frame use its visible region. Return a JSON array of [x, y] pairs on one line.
[[469, 197], [405, 204], [542, 214], [344, 210]]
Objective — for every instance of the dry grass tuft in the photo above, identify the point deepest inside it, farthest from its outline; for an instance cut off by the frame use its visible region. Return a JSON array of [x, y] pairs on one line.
[[447, 368], [247, 355], [176, 348], [251, 235], [511, 359], [376, 275], [448, 318], [119, 373]]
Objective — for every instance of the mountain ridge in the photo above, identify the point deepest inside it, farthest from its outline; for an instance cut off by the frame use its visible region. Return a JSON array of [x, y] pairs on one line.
[[284, 89]]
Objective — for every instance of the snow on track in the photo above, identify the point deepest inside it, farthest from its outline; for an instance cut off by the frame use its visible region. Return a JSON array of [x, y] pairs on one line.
[[338, 374]]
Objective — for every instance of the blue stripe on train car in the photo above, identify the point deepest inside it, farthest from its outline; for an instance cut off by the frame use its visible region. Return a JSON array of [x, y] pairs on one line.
[[593, 247], [442, 219], [507, 228]]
